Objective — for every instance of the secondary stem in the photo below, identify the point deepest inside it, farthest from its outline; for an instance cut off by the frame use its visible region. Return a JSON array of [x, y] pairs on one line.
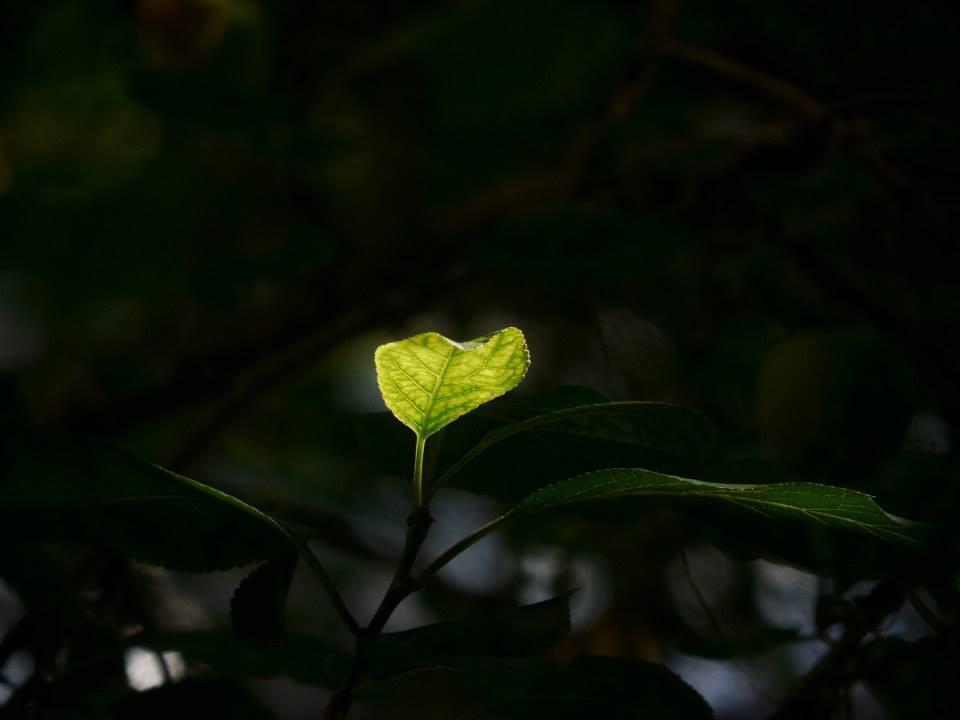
[[440, 561]]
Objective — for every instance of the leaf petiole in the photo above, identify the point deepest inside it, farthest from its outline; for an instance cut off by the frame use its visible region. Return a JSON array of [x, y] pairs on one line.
[[418, 471]]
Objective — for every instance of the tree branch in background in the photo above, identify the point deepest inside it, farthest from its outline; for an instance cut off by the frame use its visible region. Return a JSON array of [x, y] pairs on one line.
[[802, 102], [798, 100], [825, 685]]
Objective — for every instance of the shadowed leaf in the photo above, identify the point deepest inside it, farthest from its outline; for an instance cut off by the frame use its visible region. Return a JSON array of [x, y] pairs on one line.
[[76, 490], [546, 437], [517, 632], [257, 606], [756, 513], [596, 433], [831, 507], [603, 687], [306, 660], [589, 687]]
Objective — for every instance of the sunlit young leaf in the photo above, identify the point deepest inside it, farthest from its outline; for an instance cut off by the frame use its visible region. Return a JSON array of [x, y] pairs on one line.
[[428, 381]]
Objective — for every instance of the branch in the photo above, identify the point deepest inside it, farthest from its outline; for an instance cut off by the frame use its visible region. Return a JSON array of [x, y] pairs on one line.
[[822, 688], [798, 100], [938, 357], [402, 584], [288, 363]]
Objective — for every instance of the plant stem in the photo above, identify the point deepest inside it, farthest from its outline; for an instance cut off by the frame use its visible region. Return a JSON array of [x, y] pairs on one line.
[[418, 471], [402, 584], [418, 524], [299, 543], [818, 692], [798, 99]]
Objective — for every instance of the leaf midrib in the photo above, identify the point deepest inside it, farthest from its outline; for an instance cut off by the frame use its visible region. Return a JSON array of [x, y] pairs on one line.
[[433, 395]]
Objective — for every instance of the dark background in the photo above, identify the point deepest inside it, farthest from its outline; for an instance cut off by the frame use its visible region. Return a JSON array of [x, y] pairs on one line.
[[212, 212]]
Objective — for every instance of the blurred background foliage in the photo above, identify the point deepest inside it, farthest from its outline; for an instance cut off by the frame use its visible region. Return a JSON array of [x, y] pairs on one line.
[[212, 211]]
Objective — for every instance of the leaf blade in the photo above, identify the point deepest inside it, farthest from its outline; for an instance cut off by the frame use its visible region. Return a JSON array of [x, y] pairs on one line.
[[258, 603], [303, 658], [72, 489], [518, 632], [634, 423], [831, 506], [826, 506], [428, 381]]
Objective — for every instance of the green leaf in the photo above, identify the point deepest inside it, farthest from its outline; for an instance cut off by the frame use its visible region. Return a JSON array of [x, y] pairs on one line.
[[513, 633], [773, 506], [602, 687], [428, 381], [517, 632], [601, 433], [192, 697], [379, 438], [826, 505], [258, 604], [535, 688], [71, 489], [304, 659], [544, 438]]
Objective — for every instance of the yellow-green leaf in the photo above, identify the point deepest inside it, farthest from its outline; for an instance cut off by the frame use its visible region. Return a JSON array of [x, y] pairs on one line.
[[428, 381]]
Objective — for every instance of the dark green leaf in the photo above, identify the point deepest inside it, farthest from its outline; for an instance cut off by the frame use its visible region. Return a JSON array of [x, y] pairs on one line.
[[825, 505], [594, 436], [77, 490], [518, 632], [258, 604], [590, 687], [194, 697], [753, 515], [304, 659], [546, 437], [377, 436], [608, 688]]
